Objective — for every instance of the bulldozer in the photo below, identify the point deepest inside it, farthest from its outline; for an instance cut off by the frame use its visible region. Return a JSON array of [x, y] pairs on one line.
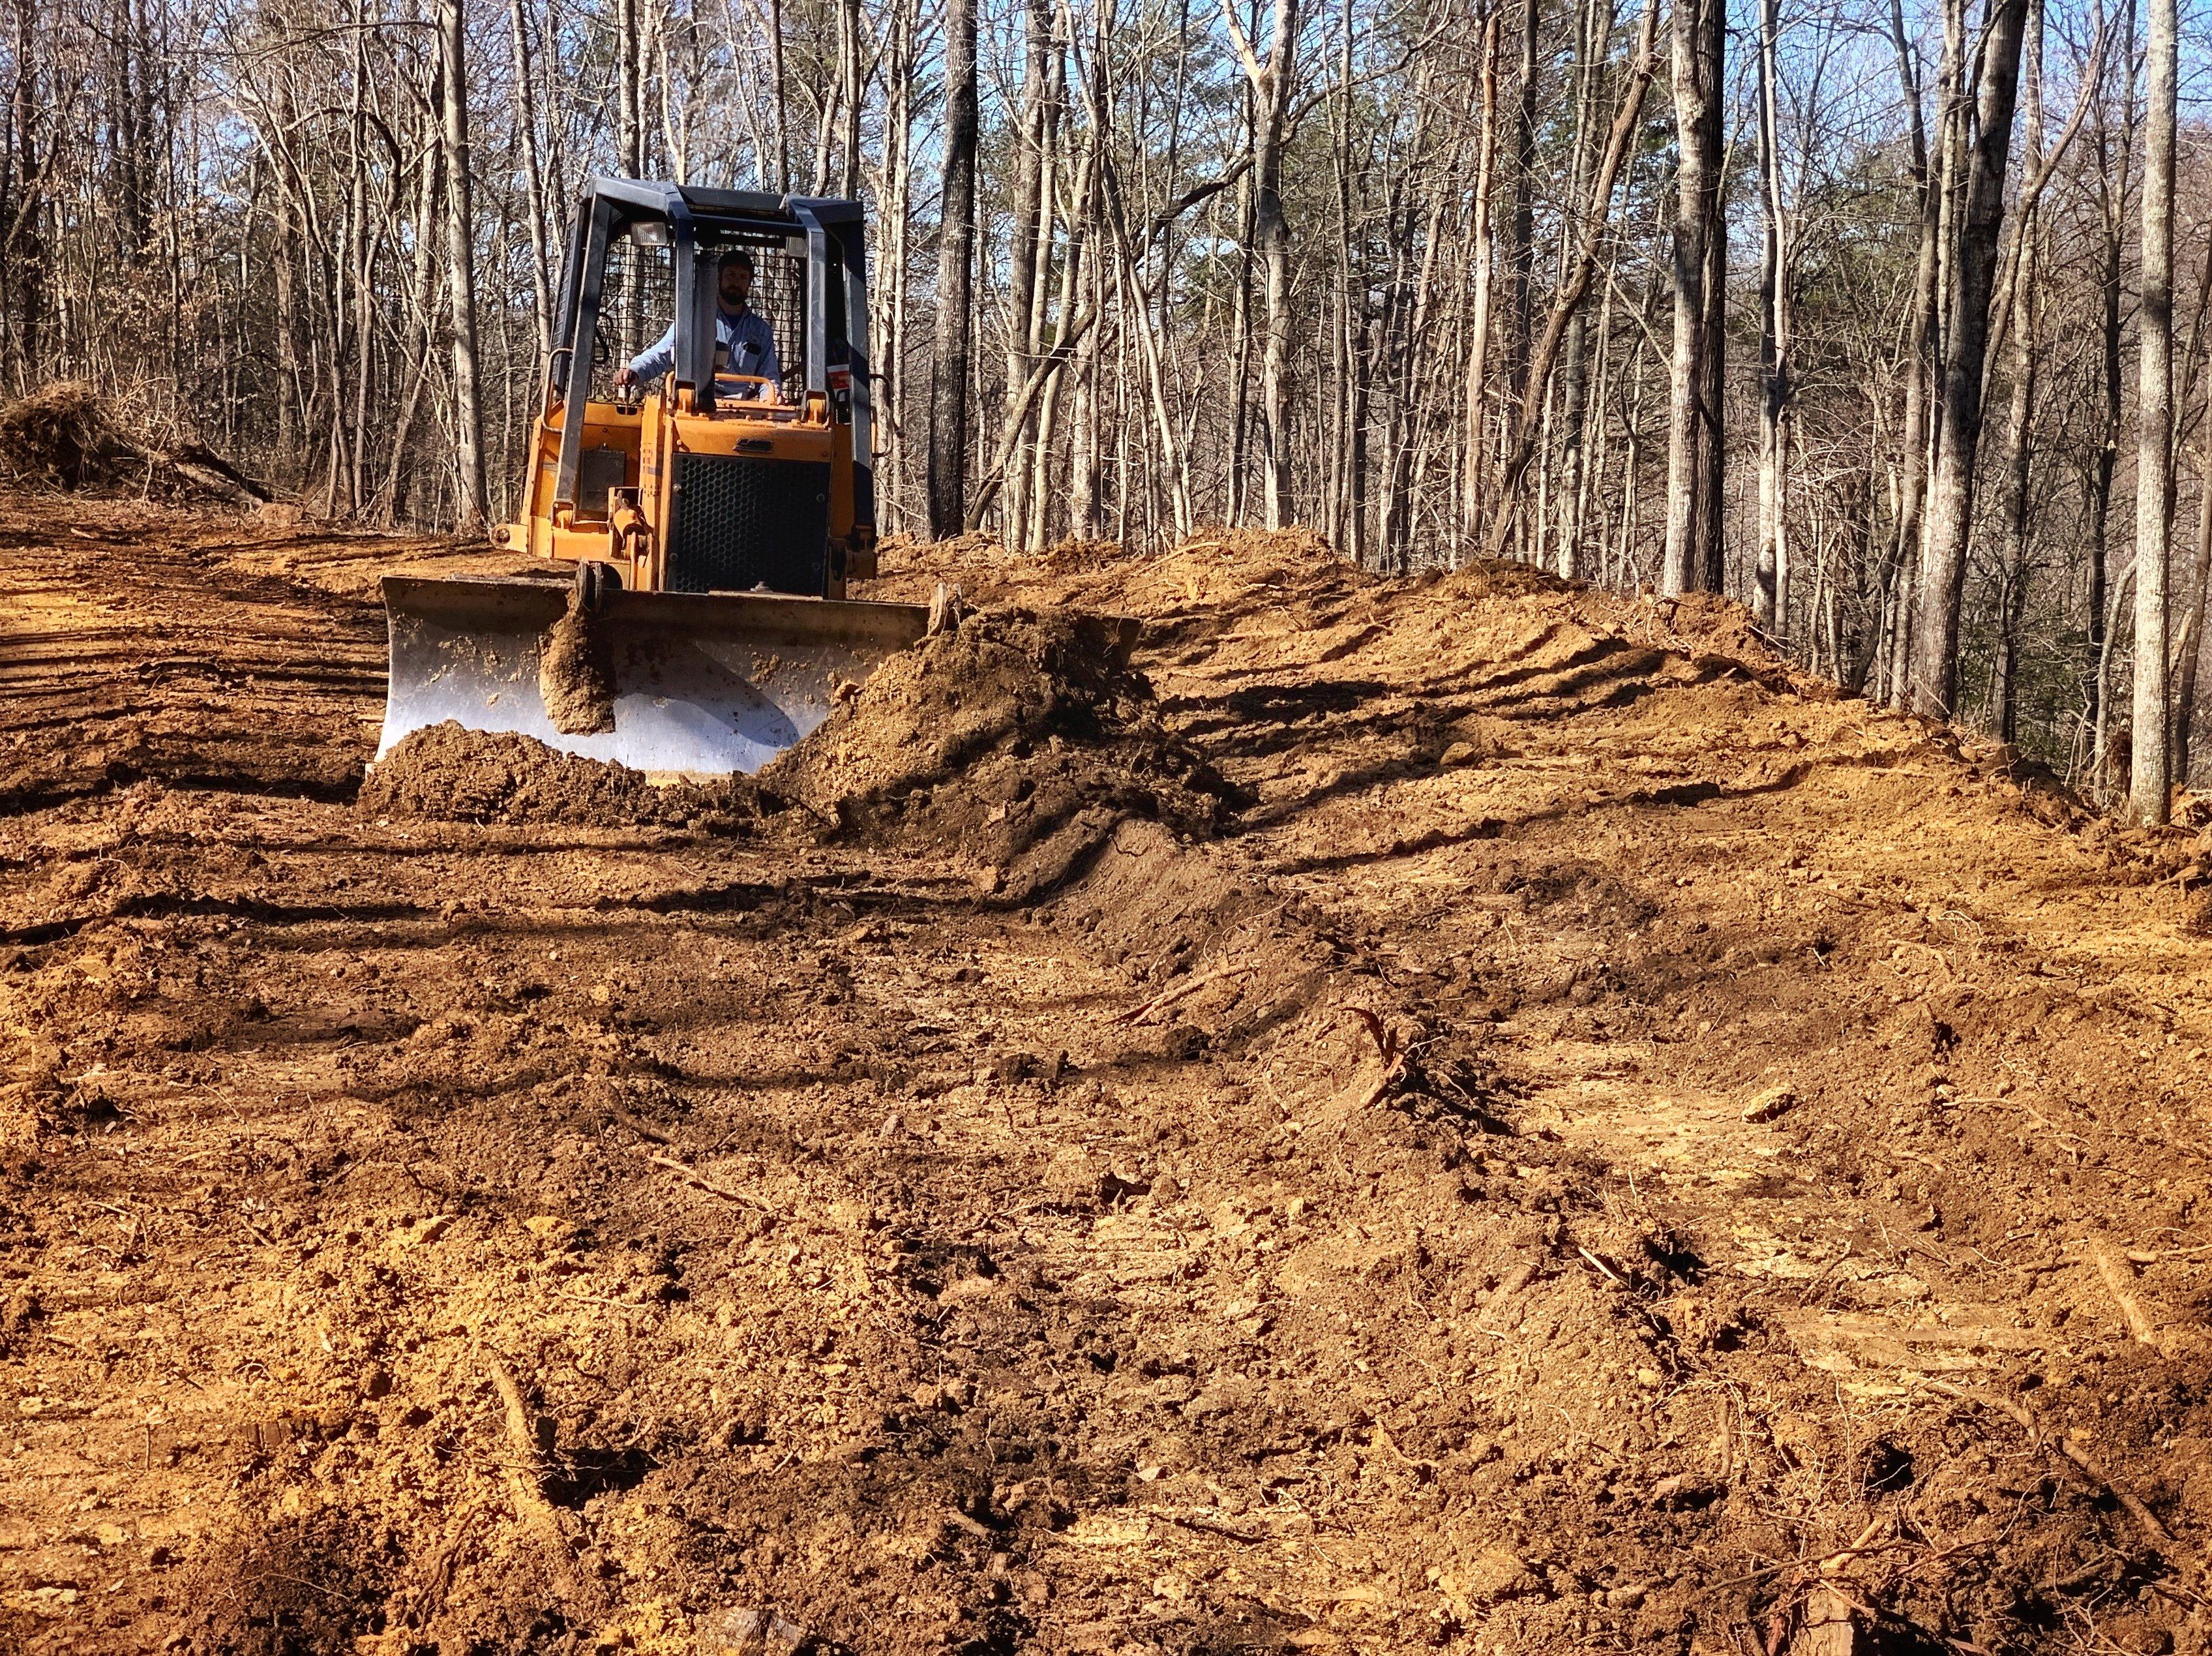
[[701, 532]]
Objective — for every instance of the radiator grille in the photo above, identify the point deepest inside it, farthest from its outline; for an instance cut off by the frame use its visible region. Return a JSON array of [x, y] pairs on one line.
[[741, 523]]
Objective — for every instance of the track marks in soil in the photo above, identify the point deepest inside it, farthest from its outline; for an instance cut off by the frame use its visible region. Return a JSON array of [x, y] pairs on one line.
[[1142, 1269]]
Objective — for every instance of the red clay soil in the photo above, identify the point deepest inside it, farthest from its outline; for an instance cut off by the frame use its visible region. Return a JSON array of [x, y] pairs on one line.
[[1530, 1129]]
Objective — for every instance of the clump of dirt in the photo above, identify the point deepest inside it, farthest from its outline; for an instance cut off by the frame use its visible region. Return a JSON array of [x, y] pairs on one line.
[[65, 436], [1015, 739], [447, 772], [575, 676]]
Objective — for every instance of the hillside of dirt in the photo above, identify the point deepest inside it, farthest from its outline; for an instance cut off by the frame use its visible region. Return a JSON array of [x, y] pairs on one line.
[[1523, 1127]]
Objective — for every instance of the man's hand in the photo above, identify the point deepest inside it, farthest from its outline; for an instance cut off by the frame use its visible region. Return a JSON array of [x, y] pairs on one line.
[[625, 377]]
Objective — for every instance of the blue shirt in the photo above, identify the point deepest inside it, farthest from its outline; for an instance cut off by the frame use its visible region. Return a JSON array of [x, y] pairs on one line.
[[747, 342]]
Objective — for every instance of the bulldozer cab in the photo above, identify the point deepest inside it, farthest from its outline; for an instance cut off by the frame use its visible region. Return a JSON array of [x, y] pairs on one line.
[[710, 528], [710, 481]]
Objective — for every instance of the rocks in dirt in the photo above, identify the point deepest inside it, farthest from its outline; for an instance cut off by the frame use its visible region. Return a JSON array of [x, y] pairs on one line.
[[448, 772], [575, 676], [1769, 1104], [1680, 1491], [1492, 1576], [1017, 740]]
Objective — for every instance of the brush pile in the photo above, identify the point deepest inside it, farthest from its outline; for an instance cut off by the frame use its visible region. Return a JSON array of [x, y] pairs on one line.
[[65, 437]]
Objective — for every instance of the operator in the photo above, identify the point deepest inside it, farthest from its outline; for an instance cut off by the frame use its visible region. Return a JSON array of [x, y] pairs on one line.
[[744, 343]]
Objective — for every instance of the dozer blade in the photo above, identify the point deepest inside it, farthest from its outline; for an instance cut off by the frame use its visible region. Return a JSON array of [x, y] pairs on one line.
[[703, 683]]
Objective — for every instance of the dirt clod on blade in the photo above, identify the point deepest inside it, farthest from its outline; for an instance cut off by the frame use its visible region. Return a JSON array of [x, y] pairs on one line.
[[575, 678]]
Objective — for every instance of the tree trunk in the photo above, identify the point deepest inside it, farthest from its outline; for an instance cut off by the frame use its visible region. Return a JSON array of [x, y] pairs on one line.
[[1944, 566], [956, 260], [1271, 235], [1694, 457], [533, 176], [460, 267], [2019, 419], [1593, 42], [1021, 254], [2191, 639], [1770, 587], [2150, 782], [2114, 204], [1894, 645], [1484, 238], [1520, 218]]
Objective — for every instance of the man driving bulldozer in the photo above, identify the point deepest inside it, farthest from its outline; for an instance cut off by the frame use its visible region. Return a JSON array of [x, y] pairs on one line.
[[745, 343]]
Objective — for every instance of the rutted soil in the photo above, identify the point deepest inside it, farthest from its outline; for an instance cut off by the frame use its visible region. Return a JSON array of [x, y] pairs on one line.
[[1529, 1129]]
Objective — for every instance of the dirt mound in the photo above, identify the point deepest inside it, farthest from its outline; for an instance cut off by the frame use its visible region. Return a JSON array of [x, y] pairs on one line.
[[65, 436], [449, 773], [1014, 739]]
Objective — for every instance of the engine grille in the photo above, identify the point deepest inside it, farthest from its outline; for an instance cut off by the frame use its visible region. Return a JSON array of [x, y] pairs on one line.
[[740, 523]]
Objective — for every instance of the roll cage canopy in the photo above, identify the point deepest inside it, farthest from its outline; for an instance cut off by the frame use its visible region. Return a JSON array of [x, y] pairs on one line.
[[698, 226]]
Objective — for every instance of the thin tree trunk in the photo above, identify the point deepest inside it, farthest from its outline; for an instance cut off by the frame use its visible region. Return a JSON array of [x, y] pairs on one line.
[[1271, 100], [1770, 585], [1593, 42], [2150, 778], [1903, 557], [1476, 450], [1521, 219], [1694, 456], [955, 262], [2020, 420], [1944, 566], [460, 268], [2191, 638], [533, 176], [2114, 204], [1022, 255]]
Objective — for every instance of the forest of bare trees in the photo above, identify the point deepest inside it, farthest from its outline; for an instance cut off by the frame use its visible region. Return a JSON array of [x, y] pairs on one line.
[[1890, 322]]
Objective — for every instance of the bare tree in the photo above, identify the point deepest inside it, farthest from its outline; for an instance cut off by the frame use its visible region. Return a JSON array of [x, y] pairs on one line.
[[956, 261], [1943, 561], [461, 261], [1695, 455], [2150, 779], [1271, 235]]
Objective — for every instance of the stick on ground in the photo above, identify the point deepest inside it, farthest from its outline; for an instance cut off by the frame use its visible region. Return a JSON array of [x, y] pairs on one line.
[[525, 1479], [708, 1185], [2120, 1282], [2072, 1448]]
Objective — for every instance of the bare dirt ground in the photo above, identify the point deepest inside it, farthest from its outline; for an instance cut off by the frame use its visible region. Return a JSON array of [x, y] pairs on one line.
[[1475, 1115]]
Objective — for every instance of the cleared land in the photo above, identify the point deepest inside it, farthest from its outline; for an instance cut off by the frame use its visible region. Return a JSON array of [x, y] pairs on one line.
[[1496, 1119]]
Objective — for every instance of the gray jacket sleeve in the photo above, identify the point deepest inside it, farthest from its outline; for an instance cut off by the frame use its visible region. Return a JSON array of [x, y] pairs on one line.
[[657, 358]]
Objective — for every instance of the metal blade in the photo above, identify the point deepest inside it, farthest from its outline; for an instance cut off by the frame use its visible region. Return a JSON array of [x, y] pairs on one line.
[[704, 684]]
